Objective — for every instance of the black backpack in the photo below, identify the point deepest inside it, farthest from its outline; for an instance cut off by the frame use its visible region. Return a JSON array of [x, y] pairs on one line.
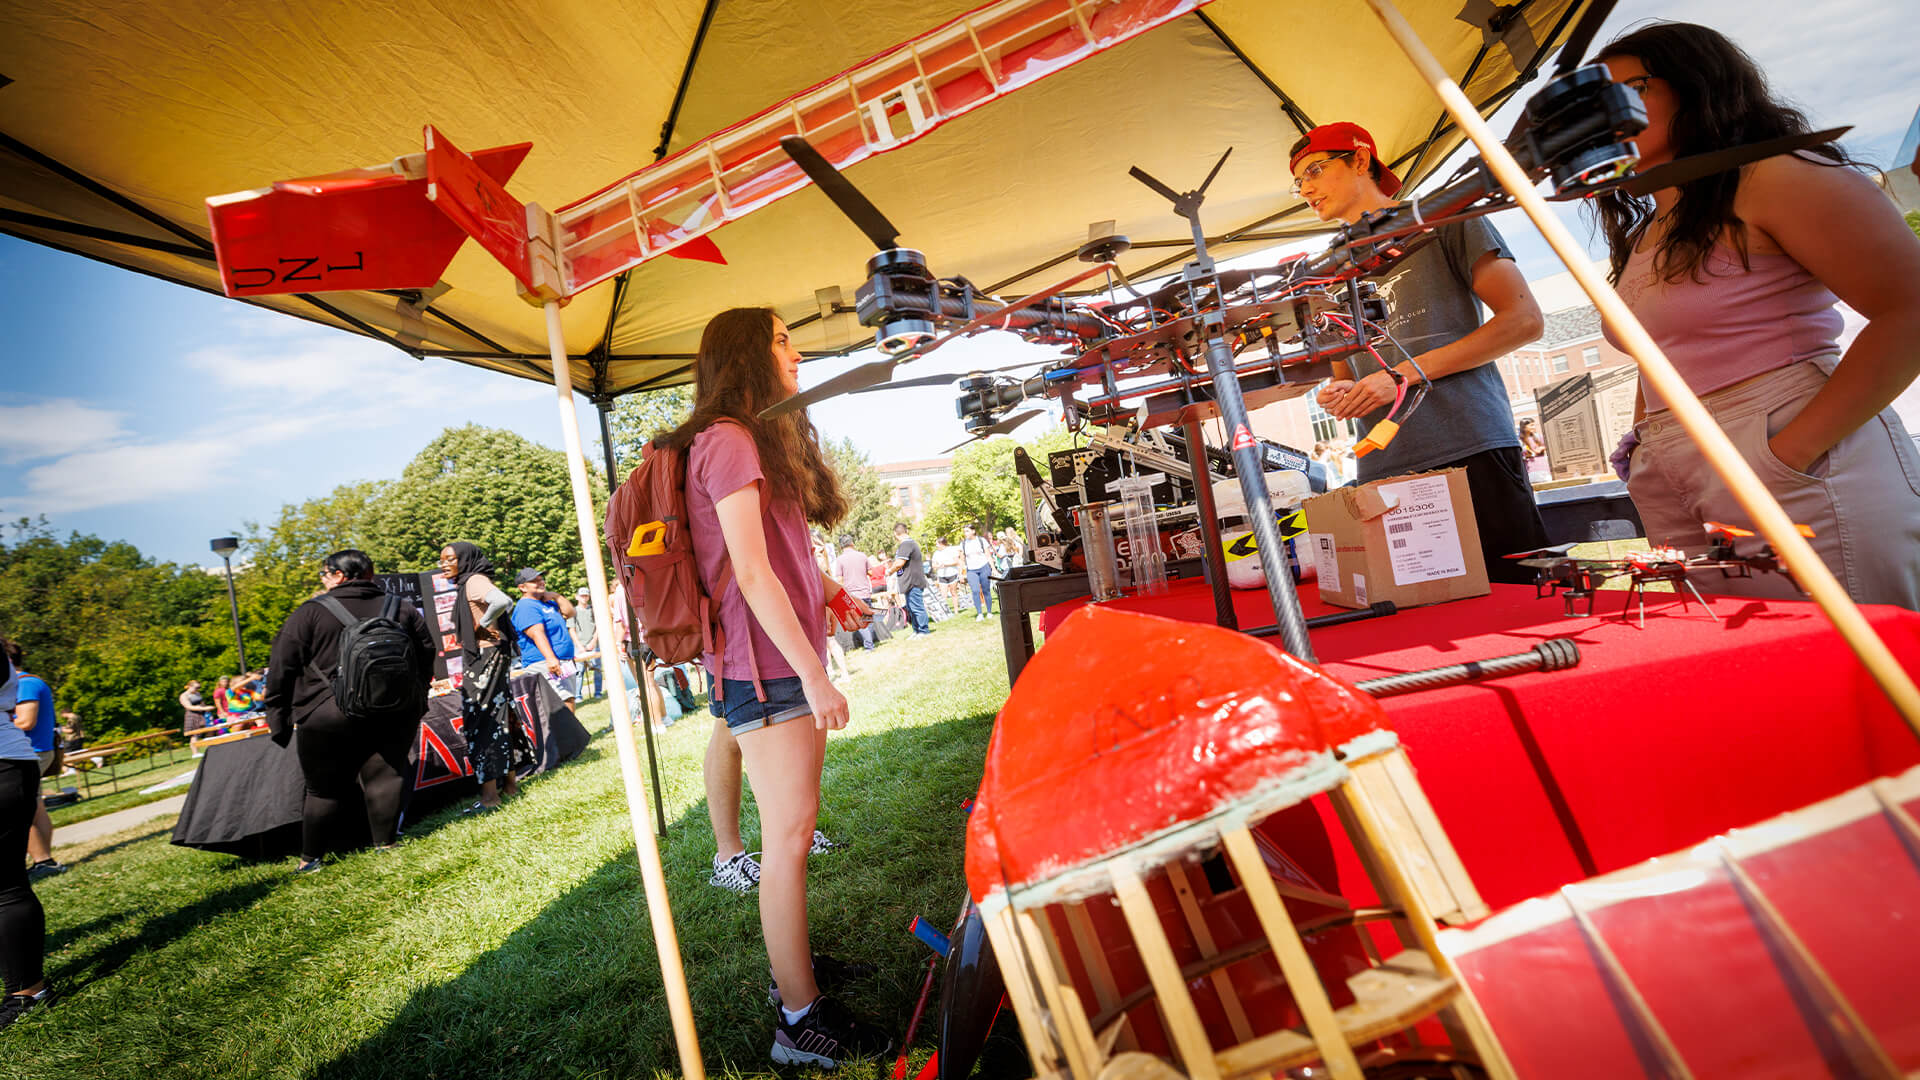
[[380, 668]]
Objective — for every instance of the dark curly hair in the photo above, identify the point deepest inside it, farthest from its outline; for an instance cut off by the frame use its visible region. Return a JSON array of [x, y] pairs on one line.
[[1721, 99]]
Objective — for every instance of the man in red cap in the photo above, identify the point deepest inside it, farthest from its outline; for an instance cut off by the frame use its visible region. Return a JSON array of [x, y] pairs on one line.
[[1433, 316]]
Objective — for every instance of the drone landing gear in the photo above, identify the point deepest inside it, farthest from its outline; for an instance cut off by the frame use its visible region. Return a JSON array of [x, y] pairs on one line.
[[1638, 589]]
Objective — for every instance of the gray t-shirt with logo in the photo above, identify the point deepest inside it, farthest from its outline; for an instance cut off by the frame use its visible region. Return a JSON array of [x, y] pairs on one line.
[[1430, 303]]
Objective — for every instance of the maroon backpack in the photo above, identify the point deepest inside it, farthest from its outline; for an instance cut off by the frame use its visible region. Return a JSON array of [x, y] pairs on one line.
[[650, 537]]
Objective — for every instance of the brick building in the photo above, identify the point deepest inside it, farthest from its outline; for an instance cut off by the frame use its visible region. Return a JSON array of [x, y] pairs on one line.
[[912, 483]]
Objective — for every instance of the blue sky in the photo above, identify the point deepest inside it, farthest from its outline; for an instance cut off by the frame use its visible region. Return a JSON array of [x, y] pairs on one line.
[[139, 410]]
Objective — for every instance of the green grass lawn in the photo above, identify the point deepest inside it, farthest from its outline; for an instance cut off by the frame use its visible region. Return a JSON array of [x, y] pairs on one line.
[[517, 945], [132, 793]]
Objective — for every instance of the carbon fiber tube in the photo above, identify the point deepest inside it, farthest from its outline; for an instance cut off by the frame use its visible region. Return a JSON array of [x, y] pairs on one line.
[[1556, 654]]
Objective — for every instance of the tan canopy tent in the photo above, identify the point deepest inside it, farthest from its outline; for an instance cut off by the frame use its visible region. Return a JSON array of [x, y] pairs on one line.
[[118, 119]]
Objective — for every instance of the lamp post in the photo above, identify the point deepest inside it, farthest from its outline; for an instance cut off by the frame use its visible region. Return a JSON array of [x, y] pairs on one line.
[[225, 546]]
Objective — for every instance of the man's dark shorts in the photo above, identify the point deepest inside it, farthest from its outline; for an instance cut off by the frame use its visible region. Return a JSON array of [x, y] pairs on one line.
[[744, 712]]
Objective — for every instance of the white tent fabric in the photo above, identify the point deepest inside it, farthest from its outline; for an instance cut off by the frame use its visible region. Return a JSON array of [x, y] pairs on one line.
[[119, 119]]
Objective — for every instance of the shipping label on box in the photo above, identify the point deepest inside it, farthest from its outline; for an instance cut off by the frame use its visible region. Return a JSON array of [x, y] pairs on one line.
[[1409, 539]]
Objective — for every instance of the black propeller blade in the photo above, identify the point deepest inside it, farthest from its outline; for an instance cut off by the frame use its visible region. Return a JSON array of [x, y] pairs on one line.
[[945, 380], [1694, 166], [866, 375], [1003, 426], [1582, 36], [844, 195]]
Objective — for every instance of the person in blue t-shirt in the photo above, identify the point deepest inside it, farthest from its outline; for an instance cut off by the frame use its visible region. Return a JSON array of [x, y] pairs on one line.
[[540, 621], [33, 713]]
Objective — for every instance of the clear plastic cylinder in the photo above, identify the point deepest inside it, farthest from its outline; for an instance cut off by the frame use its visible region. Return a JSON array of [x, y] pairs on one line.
[[1148, 561]]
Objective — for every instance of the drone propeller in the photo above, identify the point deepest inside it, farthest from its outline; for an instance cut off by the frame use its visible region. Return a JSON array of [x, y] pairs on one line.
[[1555, 551], [1002, 426], [946, 380], [1694, 166], [867, 376], [1736, 532], [844, 195]]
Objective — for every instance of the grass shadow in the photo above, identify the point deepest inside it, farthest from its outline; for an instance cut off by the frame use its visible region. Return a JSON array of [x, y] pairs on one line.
[[157, 827], [154, 932], [577, 991]]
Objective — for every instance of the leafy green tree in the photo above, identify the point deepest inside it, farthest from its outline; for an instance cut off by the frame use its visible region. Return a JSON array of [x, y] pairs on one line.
[[131, 682], [1913, 221], [871, 513], [78, 604], [983, 489], [510, 496], [638, 417], [284, 556]]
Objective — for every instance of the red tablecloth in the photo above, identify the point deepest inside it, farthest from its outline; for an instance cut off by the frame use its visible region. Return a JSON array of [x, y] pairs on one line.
[[1660, 738]]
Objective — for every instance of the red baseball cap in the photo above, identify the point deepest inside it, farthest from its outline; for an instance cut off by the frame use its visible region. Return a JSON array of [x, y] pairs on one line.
[[1344, 136]]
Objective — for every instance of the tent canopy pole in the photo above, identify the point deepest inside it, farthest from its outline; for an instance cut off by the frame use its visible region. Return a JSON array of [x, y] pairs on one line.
[[666, 940]]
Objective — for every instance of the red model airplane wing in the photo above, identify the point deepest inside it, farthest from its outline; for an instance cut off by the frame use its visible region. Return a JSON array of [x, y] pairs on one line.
[[360, 229]]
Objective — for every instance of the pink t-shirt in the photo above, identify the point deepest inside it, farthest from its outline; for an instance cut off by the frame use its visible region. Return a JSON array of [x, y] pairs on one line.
[[722, 461]]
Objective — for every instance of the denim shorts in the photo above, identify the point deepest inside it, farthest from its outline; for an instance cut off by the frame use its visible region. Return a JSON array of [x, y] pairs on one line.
[[745, 712]]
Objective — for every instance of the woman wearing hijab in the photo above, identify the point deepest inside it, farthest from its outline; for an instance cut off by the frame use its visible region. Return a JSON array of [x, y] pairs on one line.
[[487, 703]]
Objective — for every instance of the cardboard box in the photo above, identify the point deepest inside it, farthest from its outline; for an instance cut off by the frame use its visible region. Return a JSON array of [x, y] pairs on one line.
[[1582, 418], [1409, 539]]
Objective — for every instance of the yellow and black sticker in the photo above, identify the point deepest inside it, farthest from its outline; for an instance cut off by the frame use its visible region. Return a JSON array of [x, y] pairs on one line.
[[1291, 525]]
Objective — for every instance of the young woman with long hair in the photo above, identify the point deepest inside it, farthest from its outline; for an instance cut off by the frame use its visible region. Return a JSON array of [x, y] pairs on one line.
[[1735, 275], [752, 487]]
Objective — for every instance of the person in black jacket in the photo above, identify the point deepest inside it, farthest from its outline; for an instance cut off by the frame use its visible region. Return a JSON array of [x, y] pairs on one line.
[[336, 752]]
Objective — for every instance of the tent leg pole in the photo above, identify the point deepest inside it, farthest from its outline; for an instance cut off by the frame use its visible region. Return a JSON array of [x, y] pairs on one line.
[[1772, 521], [646, 714], [666, 941]]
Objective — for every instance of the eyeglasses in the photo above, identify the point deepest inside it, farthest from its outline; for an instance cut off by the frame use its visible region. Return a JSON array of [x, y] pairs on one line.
[[1313, 171], [1638, 84]]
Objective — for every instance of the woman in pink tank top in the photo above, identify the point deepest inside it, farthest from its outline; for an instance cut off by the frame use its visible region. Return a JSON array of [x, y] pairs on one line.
[[1735, 275]]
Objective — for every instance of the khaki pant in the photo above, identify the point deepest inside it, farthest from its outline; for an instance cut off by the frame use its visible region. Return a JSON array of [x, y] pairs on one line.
[[1862, 500]]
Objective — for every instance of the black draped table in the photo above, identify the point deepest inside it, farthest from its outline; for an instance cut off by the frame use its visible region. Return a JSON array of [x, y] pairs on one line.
[[247, 796]]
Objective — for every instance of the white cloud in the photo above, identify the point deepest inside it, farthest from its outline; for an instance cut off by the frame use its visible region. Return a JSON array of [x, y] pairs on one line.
[[299, 370], [49, 429], [117, 475], [269, 393]]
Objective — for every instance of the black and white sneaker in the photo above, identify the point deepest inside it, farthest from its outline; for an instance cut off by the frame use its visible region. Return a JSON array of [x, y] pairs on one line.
[[47, 868], [822, 845], [826, 1036], [738, 874], [830, 973], [14, 1006]]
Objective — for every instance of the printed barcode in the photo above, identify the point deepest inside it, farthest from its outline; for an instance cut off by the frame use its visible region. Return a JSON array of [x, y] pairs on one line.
[[1398, 544], [1399, 526]]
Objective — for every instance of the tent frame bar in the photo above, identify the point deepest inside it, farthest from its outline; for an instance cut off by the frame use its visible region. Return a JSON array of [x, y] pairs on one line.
[[95, 187], [686, 80], [1294, 112], [95, 232]]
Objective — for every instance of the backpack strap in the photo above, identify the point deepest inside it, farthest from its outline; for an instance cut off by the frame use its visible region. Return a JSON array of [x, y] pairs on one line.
[[714, 637], [339, 610]]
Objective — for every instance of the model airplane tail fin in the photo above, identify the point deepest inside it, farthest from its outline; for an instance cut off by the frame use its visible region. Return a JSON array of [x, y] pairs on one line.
[[370, 228]]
